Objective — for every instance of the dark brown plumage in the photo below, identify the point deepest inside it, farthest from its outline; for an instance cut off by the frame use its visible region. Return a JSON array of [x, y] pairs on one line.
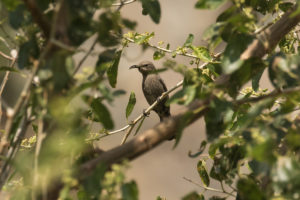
[[153, 87]]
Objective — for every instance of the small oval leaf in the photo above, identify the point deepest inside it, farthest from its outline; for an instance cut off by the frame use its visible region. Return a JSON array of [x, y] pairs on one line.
[[203, 173], [202, 53], [102, 114], [112, 71], [131, 104]]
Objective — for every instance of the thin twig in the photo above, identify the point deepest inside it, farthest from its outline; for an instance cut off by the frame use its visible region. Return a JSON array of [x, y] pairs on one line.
[[208, 188], [3, 84], [273, 94], [40, 137], [164, 49], [5, 79], [11, 114], [5, 169], [123, 3], [6, 56], [85, 56], [127, 134]]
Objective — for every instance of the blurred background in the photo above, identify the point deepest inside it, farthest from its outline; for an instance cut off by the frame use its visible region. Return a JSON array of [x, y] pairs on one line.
[[159, 172]]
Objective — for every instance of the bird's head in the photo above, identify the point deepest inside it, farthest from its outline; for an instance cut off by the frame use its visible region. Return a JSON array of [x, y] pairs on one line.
[[144, 67]]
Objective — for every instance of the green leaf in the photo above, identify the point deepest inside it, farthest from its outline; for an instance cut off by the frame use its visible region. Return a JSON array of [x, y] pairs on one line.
[[105, 60], [112, 71], [285, 6], [202, 53], [216, 145], [108, 28], [158, 55], [203, 173], [200, 151], [255, 80], [91, 183], [152, 8], [129, 24], [209, 4], [212, 34], [102, 114], [248, 190], [248, 69], [16, 17], [143, 38], [231, 60], [215, 118], [27, 49], [193, 196], [190, 94], [189, 41], [131, 104], [130, 191]]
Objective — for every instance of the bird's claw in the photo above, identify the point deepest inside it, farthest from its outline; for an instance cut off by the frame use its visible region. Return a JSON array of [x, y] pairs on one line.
[[145, 113]]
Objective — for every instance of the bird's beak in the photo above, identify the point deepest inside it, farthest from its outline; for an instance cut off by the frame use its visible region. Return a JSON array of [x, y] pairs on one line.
[[134, 66]]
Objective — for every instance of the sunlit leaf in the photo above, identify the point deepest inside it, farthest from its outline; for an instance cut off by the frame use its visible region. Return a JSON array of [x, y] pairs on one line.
[[188, 42], [202, 53], [203, 173]]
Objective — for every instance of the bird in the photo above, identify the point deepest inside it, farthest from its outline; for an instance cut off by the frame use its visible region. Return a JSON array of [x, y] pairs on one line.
[[153, 87]]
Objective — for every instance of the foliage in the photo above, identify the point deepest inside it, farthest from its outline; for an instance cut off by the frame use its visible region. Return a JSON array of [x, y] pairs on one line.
[[253, 139]]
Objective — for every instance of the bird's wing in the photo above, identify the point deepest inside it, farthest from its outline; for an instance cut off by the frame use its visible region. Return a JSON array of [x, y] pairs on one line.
[[163, 84]]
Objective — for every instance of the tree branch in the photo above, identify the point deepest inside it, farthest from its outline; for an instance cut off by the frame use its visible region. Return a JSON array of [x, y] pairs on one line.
[[6, 56], [38, 16], [269, 38], [148, 140], [166, 129]]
